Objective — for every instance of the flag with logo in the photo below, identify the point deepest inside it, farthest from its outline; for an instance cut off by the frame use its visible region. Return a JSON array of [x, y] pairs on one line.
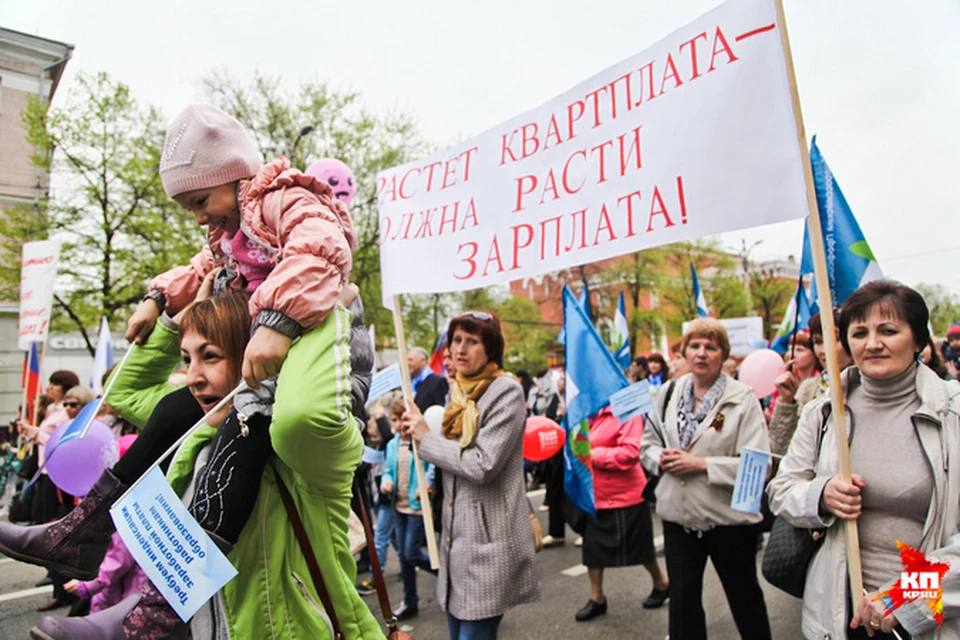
[[850, 261], [592, 376], [102, 357], [621, 335], [30, 380], [701, 300]]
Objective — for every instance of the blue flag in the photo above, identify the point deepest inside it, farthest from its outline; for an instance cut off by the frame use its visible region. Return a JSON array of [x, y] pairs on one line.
[[781, 342], [621, 337], [592, 376], [582, 301], [850, 262], [701, 300]]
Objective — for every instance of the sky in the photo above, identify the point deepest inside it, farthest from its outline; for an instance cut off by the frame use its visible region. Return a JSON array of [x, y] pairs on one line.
[[878, 80]]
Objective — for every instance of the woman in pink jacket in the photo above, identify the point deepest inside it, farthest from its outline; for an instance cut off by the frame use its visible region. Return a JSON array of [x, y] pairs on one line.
[[622, 533]]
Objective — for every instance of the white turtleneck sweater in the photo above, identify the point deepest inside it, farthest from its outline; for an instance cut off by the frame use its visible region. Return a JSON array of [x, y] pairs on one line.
[[886, 452]]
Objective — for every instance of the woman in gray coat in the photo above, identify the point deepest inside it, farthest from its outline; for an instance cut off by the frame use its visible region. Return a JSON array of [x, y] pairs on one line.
[[486, 545]]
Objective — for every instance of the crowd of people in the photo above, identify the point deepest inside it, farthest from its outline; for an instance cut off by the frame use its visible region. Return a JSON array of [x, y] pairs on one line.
[[264, 314]]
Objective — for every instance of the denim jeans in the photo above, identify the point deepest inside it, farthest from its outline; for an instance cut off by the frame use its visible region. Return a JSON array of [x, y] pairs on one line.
[[485, 629], [384, 533], [409, 540]]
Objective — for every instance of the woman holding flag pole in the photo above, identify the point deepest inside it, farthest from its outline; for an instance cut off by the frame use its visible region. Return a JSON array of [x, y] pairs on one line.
[[693, 442]]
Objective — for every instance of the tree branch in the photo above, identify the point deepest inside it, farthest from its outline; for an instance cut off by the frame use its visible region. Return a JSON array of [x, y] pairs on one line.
[[78, 322]]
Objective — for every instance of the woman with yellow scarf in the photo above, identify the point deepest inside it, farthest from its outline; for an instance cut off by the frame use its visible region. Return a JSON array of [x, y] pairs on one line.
[[486, 547]]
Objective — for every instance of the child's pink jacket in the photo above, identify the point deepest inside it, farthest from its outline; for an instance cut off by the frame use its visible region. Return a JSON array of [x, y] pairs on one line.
[[119, 577], [305, 230]]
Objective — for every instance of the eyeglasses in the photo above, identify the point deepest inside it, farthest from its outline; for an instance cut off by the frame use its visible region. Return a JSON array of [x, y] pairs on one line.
[[71, 405], [477, 315]]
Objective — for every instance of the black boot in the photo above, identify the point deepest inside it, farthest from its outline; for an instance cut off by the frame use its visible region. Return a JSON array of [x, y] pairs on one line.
[[75, 544]]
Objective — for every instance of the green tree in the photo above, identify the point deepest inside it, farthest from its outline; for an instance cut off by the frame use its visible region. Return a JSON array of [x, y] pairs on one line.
[[944, 306], [316, 122], [528, 339], [116, 226], [725, 294]]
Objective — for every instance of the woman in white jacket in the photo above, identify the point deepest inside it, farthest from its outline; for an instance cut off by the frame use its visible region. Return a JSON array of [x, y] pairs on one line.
[[903, 432], [693, 442]]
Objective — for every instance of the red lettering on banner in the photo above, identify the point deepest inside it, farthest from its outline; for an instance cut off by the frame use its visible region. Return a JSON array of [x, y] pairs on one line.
[[566, 168], [598, 151], [718, 38], [595, 97], [651, 96], [529, 133], [517, 245], [556, 236], [582, 213], [469, 260], [626, 153], [426, 229], [32, 262], [466, 162], [403, 183], [552, 130], [444, 219], [551, 185], [658, 208], [521, 191], [494, 255], [683, 200], [505, 148], [431, 167], [26, 296], [604, 225], [384, 229], [629, 200], [692, 42], [670, 71], [571, 119], [471, 215]]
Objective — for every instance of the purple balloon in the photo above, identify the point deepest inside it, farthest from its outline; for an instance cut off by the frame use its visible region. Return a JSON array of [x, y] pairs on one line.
[[77, 464]]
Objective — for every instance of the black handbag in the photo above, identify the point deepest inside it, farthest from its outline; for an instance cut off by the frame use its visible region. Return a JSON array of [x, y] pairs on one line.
[[788, 554], [790, 549]]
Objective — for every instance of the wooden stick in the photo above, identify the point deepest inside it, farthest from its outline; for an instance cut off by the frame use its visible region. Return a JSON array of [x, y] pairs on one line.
[[854, 570], [421, 475]]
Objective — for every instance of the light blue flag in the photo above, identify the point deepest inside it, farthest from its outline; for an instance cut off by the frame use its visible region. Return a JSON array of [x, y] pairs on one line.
[[850, 261], [102, 357], [592, 376], [621, 335], [781, 342], [582, 301], [702, 310]]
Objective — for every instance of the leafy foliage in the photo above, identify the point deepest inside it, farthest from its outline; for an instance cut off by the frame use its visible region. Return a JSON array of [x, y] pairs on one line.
[[116, 226], [944, 307]]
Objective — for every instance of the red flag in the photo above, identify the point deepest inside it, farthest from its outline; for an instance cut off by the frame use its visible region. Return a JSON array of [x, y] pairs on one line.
[[436, 360]]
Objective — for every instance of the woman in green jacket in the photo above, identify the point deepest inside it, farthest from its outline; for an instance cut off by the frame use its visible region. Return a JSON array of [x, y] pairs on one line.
[[317, 447]]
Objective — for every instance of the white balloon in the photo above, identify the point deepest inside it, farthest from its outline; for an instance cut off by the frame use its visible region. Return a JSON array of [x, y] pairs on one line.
[[434, 417]]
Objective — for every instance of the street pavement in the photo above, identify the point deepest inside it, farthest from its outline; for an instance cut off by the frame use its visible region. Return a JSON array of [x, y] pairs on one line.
[[565, 589]]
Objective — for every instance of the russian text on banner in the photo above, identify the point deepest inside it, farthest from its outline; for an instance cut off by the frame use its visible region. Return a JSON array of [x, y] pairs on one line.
[[751, 478], [696, 135], [385, 380], [38, 271], [170, 546]]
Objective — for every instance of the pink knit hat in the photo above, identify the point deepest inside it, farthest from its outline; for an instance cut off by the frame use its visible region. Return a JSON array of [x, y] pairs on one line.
[[206, 148]]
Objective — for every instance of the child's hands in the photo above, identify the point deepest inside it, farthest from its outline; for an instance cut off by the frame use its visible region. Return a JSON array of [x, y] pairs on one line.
[[71, 587], [386, 487], [265, 353], [142, 321]]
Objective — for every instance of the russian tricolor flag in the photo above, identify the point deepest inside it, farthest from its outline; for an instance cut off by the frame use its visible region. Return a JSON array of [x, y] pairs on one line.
[[31, 379]]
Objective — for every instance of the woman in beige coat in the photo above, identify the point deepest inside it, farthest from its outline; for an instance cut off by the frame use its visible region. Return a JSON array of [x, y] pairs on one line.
[[486, 546], [693, 442], [904, 452]]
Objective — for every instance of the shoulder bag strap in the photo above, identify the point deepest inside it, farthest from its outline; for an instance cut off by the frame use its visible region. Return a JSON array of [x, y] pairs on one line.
[[666, 400], [308, 555], [381, 585]]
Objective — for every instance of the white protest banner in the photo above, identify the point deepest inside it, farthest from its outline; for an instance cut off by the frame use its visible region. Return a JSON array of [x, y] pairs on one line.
[[38, 270], [694, 136], [170, 546], [744, 333], [751, 478]]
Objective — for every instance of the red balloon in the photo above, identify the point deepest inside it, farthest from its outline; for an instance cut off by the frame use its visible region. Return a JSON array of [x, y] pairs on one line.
[[542, 438]]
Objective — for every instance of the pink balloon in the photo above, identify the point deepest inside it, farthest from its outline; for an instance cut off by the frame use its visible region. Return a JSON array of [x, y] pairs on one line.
[[124, 442], [77, 464], [336, 174], [760, 370]]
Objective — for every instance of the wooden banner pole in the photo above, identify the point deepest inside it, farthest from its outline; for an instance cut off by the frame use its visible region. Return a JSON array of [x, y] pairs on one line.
[[421, 475], [825, 301]]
